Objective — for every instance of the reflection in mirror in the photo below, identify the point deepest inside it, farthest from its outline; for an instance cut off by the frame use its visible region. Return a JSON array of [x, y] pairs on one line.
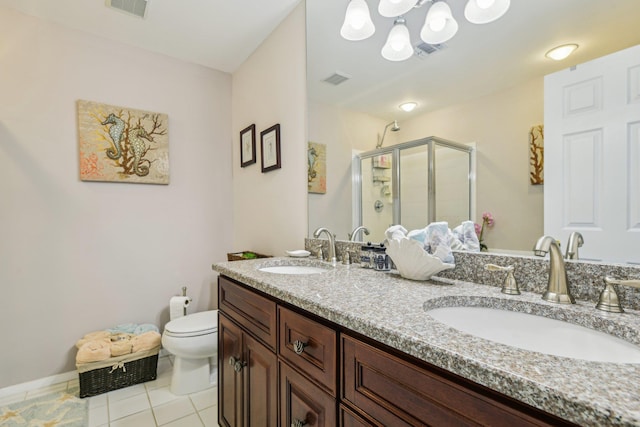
[[485, 86], [413, 184]]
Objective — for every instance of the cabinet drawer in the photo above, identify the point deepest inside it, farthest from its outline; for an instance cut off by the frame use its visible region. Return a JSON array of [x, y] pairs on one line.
[[302, 402], [396, 392], [254, 312], [317, 357]]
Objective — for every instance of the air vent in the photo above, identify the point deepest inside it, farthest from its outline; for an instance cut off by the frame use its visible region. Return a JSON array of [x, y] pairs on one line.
[[425, 49], [132, 7], [337, 78]]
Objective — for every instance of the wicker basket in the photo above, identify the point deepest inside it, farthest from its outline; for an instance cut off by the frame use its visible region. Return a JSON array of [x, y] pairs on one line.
[[117, 372], [238, 256]]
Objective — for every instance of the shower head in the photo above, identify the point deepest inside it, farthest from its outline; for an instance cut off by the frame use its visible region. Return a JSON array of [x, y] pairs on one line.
[[395, 128]]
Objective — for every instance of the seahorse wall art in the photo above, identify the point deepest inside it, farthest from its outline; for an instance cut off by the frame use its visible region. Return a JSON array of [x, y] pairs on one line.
[[119, 144]]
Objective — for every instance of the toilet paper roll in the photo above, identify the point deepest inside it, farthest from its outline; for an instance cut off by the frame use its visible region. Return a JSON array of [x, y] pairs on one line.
[[177, 307]]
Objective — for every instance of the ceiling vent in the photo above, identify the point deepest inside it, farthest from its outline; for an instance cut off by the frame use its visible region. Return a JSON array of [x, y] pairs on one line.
[[337, 78], [425, 49], [132, 7]]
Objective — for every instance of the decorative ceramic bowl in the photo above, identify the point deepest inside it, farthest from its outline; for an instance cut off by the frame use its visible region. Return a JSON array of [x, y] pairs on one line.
[[412, 261]]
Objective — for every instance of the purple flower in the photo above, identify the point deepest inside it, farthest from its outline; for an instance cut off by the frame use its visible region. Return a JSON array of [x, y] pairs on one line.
[[478, 228], [488, 219]]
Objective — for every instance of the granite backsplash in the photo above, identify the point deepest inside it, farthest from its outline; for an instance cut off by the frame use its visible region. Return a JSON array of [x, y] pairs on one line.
[[531, 273]]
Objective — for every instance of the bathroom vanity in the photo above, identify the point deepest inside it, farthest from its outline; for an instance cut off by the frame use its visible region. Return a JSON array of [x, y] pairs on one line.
[[354, 347]]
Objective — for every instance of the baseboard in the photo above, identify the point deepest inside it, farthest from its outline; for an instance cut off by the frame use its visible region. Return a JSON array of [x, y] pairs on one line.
[[39, 383]]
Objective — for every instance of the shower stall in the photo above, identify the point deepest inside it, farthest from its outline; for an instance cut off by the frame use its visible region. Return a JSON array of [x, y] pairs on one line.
[[413, 184]]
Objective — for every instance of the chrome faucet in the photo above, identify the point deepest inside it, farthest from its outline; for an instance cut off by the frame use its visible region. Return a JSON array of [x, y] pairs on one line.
[[558, 286], [575, 242], [353, 234], [332, 244]]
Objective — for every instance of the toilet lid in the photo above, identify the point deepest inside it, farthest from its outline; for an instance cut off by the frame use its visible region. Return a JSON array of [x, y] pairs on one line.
[[194, 324]]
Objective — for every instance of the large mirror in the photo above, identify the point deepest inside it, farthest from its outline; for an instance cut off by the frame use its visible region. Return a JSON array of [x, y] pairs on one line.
[[484, 86]]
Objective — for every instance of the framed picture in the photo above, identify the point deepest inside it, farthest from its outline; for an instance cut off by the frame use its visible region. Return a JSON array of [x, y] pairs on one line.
[[270, 148], [248, 146]]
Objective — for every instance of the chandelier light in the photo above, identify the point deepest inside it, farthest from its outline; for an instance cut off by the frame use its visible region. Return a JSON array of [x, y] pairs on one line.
[[439, 27], [357, 22], [398, 46]]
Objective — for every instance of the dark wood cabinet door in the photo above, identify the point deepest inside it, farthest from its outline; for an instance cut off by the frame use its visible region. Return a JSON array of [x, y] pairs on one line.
[[302, 403], [260, 385], [349, 418], [229, 381], [310, 346]]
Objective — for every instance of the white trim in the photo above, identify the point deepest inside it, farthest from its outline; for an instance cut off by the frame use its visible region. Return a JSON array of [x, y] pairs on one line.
[[39, 383]]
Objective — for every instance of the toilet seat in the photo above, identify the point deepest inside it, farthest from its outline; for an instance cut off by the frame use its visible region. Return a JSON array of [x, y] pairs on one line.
[[202, 323]]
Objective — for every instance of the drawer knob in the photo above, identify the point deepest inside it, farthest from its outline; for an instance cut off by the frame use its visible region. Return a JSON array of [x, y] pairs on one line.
[[237, 364], [298, 346], [298, 423]]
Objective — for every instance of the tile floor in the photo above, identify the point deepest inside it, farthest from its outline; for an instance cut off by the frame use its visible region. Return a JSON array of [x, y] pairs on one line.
[[143, 405]]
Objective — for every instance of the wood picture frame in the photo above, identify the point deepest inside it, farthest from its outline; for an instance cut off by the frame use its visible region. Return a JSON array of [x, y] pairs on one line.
[[248, 146], [270, 148]]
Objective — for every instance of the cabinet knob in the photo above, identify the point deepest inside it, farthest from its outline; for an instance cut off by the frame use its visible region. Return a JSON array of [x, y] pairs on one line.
[[298, 346], [237, 364], [297, 423]]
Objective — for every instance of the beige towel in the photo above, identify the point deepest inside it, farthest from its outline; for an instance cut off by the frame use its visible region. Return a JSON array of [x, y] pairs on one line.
[[94, 351], [145, 341], [91, 336], [122, 346]]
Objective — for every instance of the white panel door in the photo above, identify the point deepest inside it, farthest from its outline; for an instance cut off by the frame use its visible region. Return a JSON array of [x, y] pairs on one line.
[[592, 156]]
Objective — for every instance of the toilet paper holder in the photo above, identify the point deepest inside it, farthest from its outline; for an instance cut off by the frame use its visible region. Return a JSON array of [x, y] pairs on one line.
[[184, 294]]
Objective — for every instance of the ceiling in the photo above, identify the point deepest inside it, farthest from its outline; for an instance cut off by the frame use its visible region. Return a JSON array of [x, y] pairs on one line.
[[219, 34], [478, 60]]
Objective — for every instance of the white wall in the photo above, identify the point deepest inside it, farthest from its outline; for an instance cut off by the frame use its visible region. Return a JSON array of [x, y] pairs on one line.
[[342, 131], [80, 256], [270, 209]]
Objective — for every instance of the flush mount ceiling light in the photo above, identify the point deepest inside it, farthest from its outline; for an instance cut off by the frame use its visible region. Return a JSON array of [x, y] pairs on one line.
[[561, 52], [439, 25], [408, 106]]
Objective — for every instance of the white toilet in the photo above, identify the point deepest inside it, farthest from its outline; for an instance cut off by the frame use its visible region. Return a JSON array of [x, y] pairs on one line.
[[193, 340]]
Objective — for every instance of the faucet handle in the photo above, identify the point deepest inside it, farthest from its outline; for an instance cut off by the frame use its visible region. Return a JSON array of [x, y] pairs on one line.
[[609, 300], [320, 253], [510, 285]]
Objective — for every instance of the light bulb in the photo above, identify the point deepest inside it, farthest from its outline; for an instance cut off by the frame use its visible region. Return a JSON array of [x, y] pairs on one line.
[[485, 11], [408, 106], [437, 23]]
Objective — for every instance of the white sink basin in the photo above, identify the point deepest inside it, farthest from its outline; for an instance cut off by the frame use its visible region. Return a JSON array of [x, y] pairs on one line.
[[537, 333], [293, 269]]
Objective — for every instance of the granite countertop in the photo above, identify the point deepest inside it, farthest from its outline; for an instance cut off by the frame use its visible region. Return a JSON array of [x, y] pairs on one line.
[[392, 310]]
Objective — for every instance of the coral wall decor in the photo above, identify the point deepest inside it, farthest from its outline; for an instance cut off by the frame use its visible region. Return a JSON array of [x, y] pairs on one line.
[[119, 144], [317, 168], [536, 155]]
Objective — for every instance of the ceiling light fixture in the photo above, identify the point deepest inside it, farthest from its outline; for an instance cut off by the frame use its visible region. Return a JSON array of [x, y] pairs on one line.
[[408, 106], [561, 52], [439, 25]]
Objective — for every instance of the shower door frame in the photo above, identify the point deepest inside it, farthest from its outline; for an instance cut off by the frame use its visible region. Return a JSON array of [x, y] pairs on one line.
[[395, 150]]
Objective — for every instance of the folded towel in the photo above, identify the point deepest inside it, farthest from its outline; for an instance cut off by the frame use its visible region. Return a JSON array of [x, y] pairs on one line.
[[91, 336], [128, 328], [395, 232], [418, 235], [438, 241], [466, 235], [146, 327], [94, 351], [121, 346], [145, 341]]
